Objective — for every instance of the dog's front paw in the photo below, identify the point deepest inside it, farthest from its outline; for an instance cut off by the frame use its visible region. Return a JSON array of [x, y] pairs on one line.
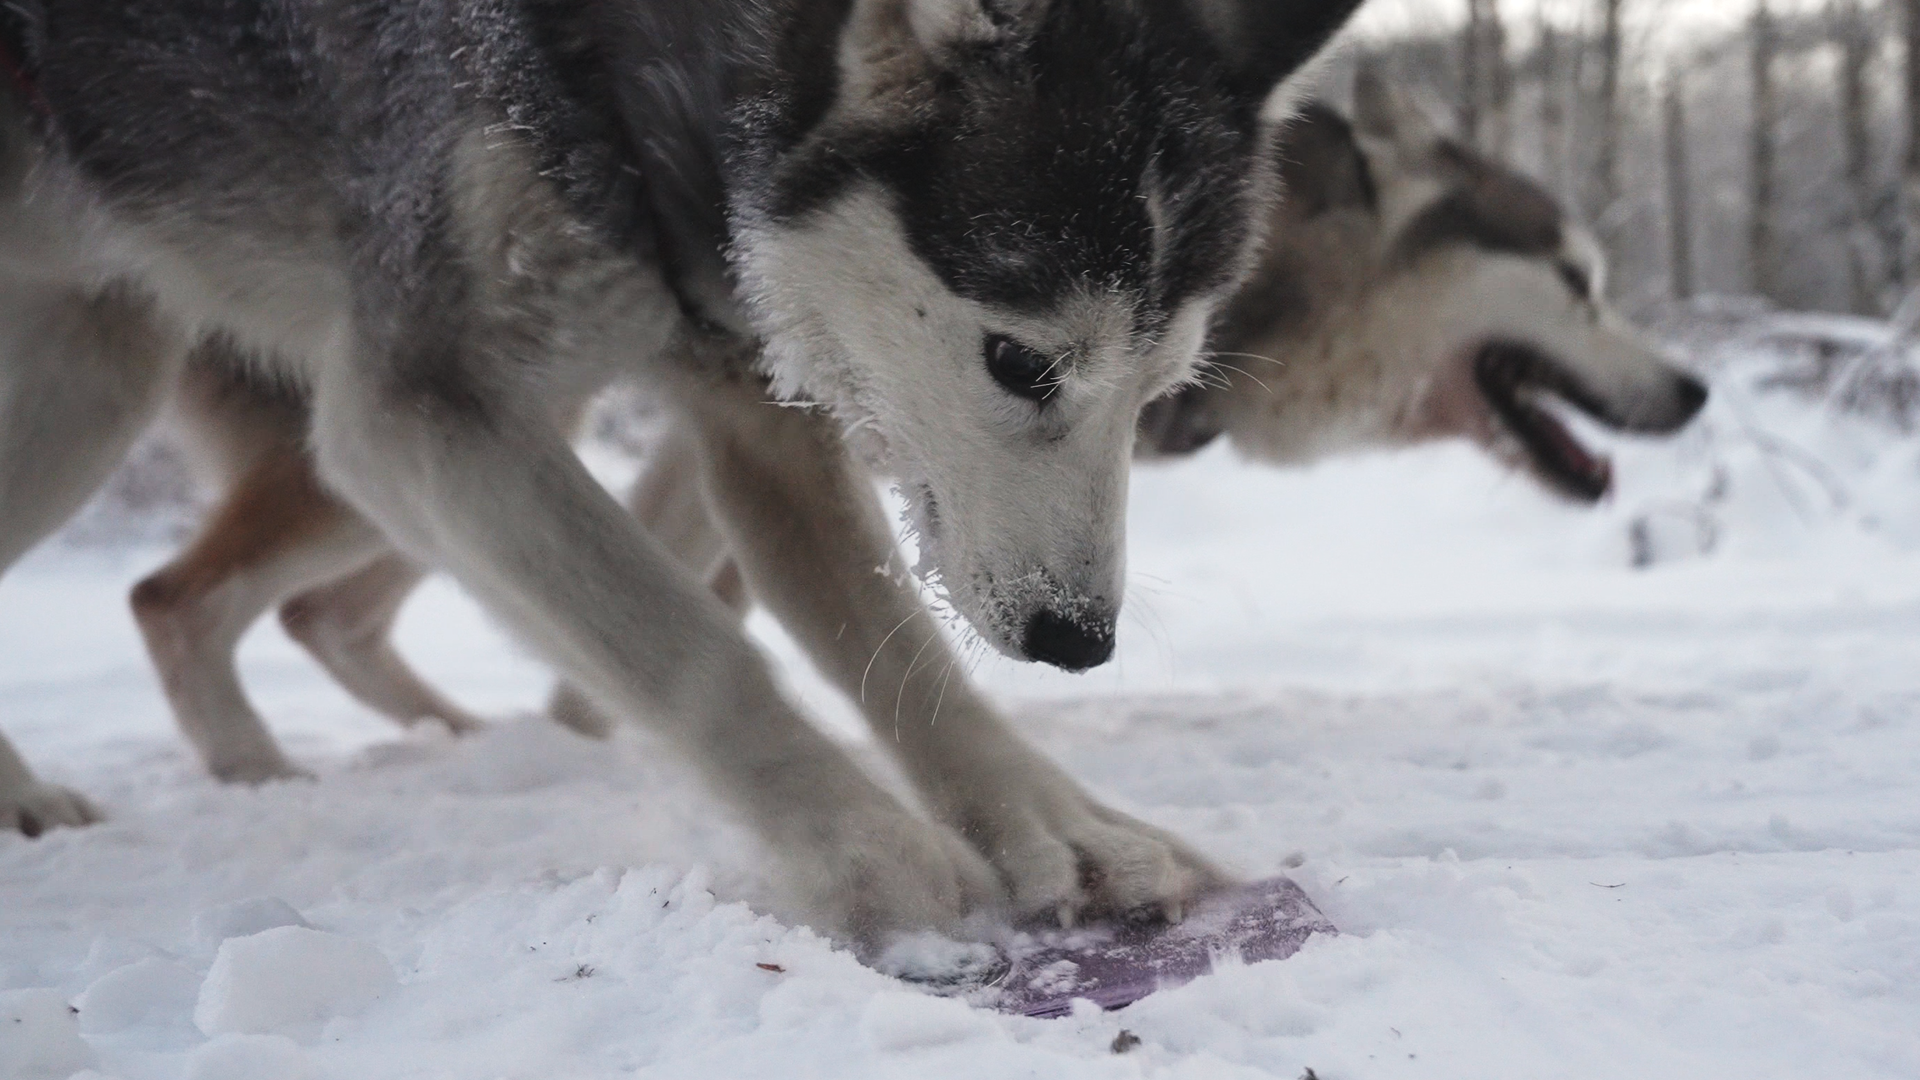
[[881, 871], [1068, 857], [37, 807]]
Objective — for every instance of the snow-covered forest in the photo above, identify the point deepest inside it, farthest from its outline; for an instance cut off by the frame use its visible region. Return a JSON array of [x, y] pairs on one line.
[[1739, 148]]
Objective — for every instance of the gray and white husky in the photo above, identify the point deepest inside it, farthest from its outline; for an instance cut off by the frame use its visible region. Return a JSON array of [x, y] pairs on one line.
[[1308, 307], [979, 234], [1412, 290]]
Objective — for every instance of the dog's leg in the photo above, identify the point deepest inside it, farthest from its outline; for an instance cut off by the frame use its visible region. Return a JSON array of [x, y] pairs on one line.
[[29, 806], [80, 377], [465, 471], [666, 500], [814, 544], [278, 532], [347, 626]]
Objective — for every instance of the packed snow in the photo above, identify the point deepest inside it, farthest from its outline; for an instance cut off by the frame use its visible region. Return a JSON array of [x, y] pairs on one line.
[[1574, 817]]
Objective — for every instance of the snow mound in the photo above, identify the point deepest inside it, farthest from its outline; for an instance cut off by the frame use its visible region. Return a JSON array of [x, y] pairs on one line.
[[244, 918], [40, 1037], [143, 992], [290, 980], [903, 1020]]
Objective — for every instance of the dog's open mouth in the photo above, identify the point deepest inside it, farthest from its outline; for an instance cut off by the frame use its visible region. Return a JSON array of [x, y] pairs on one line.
[[1516, 381]]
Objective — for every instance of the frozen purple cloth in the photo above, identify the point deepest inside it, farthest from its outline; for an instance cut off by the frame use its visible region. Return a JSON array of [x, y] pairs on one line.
[[1114, 965]]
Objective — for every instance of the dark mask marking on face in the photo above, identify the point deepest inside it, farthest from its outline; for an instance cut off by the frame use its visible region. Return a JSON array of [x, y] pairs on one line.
[[1488, 206], [1106, 148]]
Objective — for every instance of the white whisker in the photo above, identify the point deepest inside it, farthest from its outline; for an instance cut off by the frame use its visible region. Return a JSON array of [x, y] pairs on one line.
[[876, 655], [1250, 356], [1243, 371], [900, 697]]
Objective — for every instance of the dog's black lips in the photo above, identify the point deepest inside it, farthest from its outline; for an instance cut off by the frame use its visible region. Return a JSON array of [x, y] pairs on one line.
[[1510, 375]]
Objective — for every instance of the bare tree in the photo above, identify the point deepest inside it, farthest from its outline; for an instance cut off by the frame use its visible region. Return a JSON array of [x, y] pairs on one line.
[[1856, 56], [1763, 268], [1679, 190], [1607, 160], [1471, 71], [1499, 81], [1553, 104], [1911, 173], [1486, 78]]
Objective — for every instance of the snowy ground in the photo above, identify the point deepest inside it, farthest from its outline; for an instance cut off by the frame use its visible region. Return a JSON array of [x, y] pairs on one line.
[[1573, 819]]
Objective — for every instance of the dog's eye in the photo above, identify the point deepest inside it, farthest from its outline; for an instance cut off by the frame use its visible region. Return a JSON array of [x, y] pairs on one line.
[[1019, 370], [1578, 280]]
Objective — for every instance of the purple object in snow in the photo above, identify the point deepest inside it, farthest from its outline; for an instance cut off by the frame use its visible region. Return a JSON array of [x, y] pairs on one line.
[[1115, 965]]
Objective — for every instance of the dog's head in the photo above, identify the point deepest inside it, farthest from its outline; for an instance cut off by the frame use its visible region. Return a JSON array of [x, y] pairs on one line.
[[985, 233], [1415, 289]]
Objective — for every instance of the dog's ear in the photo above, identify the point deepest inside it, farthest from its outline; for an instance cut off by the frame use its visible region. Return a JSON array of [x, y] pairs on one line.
[[1321, 166], [892, 48], [943, 25], [1382, 112], [1266, 42], [1179, 423]]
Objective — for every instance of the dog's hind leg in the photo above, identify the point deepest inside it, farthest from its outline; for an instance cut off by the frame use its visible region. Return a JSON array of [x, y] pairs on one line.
[[81, 375], [277, 533], [347, 626], [666, 500], [803, 521]]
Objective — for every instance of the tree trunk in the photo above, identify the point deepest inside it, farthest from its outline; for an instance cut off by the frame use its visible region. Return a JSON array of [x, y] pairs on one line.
[[1553, 108], [1469, 104], [1910, 173], [1607, 161], [1856, 55], [1486, 78], [1499, 79], [1762, 254], [1679, 192]]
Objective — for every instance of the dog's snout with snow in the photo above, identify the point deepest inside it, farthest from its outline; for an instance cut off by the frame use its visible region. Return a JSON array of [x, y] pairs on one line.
[[1074, 644], [1027, 540]]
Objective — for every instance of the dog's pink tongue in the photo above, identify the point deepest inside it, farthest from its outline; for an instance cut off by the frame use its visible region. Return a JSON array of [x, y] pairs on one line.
[[1576, 458]]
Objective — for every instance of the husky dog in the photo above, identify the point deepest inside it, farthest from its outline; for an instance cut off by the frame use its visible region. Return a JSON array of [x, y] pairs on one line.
[[979, 235], [1327, 250], [1413, 289]]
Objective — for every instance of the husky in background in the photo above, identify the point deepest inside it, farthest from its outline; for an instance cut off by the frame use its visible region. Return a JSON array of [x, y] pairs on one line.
[[1412, 290], [979, 235]]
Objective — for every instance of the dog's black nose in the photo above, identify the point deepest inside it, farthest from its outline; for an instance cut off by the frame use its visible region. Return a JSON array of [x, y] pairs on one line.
[[1054, 639], [1692, 394]]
